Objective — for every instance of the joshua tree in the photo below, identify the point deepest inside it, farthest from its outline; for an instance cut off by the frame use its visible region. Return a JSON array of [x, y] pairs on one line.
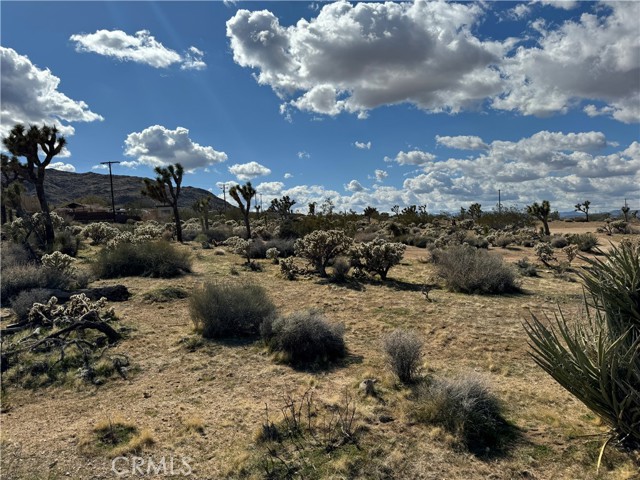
[[245, 192], [26, 143], [166, 189], [541, 212], [584, 208], [312, 208], [202, 207], [396, 209], [625, 211], [282, 206], [475, 210], [370, 212]]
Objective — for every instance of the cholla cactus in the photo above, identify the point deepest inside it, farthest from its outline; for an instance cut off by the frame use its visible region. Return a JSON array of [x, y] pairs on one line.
[[321, 246], [149, 229], [288, 269], [240, 246], [544, 252], [100, 232], [571, 251], [60, 262], [377, 256], [272, 254]]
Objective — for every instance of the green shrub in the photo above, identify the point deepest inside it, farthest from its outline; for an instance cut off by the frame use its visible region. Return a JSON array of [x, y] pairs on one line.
[[304, 338], [230, 310], [558, 241], [404, 354], [165, 294], [597, 359], [341, 267], [469, 270], [503, 241], [463, 406], [526, 269], [18, 278], [147, 259], [584, 241]]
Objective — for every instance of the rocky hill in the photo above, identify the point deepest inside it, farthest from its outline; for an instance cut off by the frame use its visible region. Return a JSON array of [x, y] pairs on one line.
[[65, 187]]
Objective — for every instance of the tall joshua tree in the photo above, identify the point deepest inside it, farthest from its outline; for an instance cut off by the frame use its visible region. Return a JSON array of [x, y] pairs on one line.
[[541, 212], [28, 143], [244, 193], [166, 189], [202, 207], [584, 208]]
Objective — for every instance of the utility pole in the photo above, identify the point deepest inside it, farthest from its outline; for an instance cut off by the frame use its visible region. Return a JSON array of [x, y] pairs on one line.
[[224, 196], [499, 202], [113, 201]]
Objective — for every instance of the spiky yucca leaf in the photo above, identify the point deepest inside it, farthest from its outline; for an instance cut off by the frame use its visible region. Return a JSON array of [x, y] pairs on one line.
[[598, 359]]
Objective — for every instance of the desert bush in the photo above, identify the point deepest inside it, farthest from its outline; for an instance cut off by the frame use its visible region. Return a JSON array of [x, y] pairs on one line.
[[475, 240], [21, 304], [469, 270], [597, 359], [341, 266], [404, 354], [584, 241], [377, 257], [230, 310], [147, 259], [571, 251], [320, 247], [304, 338], [526, 269], [284, 245], [558, 241], [66, 242], [219, 234], [165, 294], [463, 406], [14, 254], [503, 241]]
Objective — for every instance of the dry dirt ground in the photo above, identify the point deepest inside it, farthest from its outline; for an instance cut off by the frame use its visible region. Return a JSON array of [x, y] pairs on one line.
[[224, 386]]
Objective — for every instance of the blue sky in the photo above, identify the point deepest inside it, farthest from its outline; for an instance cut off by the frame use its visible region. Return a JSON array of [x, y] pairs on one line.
[[437, 104]]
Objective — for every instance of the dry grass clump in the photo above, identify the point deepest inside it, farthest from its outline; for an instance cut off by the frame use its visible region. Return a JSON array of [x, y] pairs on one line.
[[464, 407], [165, 294], [469, 270], [230, 310], [119, 437], [304, 338], [404, 354]]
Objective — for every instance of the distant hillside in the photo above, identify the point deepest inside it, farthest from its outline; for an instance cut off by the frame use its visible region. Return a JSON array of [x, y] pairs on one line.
[[64, 187]]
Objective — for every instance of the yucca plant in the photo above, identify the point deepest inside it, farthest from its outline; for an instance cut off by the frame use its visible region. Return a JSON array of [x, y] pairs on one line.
[[598, 359]]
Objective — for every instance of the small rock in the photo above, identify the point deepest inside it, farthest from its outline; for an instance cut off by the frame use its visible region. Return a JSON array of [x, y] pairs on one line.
[[386, 418]]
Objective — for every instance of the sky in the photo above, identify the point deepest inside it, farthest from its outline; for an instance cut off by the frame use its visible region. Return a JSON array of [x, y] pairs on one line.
[[367, 103]]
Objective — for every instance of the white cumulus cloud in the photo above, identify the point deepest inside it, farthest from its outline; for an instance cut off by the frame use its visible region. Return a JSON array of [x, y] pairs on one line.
[[357, 57], [363, 145], [160, 146], [63, 167], [414, 157], [248, 171], [462, 142], [595, 58], [354, 186], [380, 175], [30, 95], [142, 47], [270, 188]]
